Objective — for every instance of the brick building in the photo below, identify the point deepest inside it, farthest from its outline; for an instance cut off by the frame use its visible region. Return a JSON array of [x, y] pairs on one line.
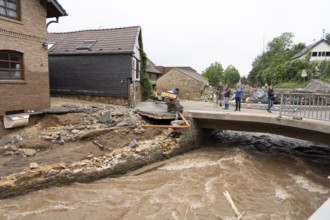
[[190, 84], [24, 79]]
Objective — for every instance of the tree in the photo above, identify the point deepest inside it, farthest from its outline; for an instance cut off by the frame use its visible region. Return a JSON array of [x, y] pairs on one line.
[[283, 42], [146, 86], [244, 80], [296, 48], [327, 37], [256, 68], [214, 74], [325, 70], [292, 70], [269, 67], [231, 75]]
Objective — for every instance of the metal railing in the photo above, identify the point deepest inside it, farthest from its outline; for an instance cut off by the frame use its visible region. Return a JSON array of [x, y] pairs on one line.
[[305, 105]]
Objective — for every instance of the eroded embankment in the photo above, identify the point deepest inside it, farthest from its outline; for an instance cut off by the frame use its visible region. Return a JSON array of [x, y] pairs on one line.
[[171, 142]]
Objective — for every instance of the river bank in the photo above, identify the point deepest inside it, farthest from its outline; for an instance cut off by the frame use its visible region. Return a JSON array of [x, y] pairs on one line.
[[80, 141], [267, 176], [76, 141]]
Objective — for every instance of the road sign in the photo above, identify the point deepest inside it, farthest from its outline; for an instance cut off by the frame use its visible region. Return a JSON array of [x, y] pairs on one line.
[[303, 73]]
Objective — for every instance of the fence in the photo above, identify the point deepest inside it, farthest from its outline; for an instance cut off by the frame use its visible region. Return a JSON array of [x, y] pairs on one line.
[[305, 105]]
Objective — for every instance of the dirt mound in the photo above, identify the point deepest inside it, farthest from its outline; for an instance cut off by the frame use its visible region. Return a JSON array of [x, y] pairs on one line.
[[54, 138]]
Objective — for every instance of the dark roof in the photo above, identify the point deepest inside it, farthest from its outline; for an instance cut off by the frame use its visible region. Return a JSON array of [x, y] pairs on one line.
[[107, 41], [149, 62], [165, 69], [54, 9], [305, 50], [193, 74], [151, 67]]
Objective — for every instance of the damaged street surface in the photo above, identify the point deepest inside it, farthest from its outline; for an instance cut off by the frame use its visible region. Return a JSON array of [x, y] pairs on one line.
[[78, 141]]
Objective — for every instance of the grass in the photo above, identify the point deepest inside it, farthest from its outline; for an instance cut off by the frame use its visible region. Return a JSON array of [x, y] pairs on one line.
[[291, 85], [326, 79]]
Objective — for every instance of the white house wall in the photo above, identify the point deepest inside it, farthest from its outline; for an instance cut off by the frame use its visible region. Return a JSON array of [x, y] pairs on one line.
[[322, 47], [136, 58]]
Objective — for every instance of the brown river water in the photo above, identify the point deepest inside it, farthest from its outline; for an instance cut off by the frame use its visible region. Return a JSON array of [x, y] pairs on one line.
[[267, 177]]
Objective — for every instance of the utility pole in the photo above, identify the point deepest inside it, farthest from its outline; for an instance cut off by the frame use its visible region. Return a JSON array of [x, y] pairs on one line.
[[323, 36], [263, 45]]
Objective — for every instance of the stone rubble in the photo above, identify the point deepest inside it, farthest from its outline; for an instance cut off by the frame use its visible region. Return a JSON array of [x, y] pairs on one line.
[[117, 162], [96, 120]]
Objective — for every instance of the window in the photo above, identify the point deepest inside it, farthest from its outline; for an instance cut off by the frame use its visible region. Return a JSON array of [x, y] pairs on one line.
[[10, 8], [135, 69], [86, 45], [327, 54], [137, 73], [10, 65], [50, 45], [314, 54]]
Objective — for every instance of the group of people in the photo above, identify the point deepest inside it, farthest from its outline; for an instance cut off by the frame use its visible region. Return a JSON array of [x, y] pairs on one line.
[[238, 92], [223, 92]]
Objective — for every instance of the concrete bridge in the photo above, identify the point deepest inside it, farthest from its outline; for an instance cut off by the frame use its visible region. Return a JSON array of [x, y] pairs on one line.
[[251, 118]]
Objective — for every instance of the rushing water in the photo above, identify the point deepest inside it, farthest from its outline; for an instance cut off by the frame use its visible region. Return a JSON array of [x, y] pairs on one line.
[[268, 177]]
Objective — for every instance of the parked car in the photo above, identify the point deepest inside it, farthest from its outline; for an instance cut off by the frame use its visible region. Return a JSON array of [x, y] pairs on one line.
[[261, 96]]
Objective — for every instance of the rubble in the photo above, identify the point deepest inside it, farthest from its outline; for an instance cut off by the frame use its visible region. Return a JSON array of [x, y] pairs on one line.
[[117, 162], [86, 124]]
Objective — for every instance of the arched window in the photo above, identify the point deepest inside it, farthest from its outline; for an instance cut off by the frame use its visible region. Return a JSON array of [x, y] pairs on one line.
[[11, 64], [10, 8]]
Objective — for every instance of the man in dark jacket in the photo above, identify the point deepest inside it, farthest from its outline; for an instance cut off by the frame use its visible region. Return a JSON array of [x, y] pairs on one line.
[[219, 93], [227, 96], [270, 99]]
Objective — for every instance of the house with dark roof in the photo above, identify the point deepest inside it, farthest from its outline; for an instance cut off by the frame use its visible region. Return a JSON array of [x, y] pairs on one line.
[[190, 83], [318, 51], [102, 64], [24, 78]]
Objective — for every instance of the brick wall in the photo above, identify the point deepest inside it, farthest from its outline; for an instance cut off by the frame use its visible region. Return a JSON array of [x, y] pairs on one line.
[[101, 99], [109, 99], [138, 96], [190, 89], [26, 36]]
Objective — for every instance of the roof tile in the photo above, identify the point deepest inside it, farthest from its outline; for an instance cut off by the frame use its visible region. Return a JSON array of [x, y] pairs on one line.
[[116, 40]]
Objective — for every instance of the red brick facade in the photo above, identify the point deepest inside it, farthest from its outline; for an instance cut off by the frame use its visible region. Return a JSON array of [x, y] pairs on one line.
[[26, 36]]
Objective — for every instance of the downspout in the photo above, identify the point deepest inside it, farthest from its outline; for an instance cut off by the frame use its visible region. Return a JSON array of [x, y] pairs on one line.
[[134, 70]]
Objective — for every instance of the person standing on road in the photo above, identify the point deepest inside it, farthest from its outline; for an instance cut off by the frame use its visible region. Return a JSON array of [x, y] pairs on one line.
[[271, 98], [238, 97], [227, 95], [219, 93]]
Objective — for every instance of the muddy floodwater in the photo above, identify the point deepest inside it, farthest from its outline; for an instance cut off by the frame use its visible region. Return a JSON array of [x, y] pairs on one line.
[[267, 177]]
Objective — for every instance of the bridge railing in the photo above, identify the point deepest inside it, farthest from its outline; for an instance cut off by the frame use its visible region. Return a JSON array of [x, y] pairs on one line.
[[304, 105]]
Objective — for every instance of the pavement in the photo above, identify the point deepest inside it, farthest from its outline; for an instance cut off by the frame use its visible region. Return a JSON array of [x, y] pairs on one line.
[[159, 110], [253, 117]]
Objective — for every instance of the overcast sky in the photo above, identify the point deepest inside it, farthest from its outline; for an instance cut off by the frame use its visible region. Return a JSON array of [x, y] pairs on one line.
[[197, 33]]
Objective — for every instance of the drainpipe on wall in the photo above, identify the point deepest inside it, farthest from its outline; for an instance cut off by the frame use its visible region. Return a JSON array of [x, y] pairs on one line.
[[129, 97]]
